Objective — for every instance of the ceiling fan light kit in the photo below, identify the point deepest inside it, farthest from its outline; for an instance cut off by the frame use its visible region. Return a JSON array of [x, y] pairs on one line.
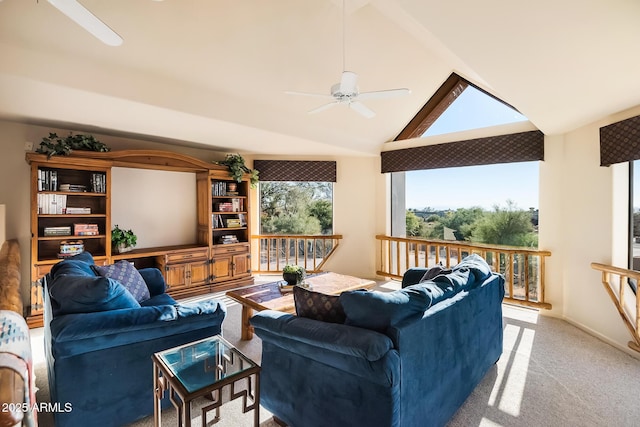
[[87, 20]]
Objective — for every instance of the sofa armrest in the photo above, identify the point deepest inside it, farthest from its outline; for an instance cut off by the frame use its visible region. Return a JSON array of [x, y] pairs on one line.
[[154, 280], [342, 349], [339, 338], [74, 334]]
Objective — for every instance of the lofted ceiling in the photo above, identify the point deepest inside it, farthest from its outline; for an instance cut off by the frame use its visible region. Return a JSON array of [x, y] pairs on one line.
[[212, 73]]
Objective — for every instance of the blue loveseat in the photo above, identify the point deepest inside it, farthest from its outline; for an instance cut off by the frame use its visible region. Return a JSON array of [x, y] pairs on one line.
[[406, 358], [99, 340]]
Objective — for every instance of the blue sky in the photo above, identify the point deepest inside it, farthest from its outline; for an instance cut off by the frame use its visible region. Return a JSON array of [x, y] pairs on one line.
[[483, 186]]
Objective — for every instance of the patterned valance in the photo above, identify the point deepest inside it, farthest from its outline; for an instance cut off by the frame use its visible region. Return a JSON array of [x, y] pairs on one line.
[[516, 147], [296, 170], [620, 142]]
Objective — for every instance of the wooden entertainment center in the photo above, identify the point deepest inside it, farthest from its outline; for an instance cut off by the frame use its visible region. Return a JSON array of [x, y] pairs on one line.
[[219, 259]]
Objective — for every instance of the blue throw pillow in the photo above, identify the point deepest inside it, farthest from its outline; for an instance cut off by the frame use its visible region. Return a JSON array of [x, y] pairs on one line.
[[125, 273], [86, 294], [379, 310]]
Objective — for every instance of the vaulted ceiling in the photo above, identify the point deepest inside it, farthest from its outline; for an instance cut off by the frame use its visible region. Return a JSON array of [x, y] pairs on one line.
[[214, 72]]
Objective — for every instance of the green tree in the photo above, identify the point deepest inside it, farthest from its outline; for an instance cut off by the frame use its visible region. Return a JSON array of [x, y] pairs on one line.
[[323, 211], [295, 207], [414, 224], [462, 220], [505, 226]]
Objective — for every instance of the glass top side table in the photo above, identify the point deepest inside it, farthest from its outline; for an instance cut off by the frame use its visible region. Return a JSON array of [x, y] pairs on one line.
[[204, 368]]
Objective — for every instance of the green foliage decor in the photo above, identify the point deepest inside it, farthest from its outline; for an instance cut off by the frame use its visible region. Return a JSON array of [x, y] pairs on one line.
[[54, 144], [125, 238], [295, 271], [237, 168]]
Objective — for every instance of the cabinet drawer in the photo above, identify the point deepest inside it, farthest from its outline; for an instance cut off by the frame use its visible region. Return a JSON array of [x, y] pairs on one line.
[[229, 250], [186, 256]]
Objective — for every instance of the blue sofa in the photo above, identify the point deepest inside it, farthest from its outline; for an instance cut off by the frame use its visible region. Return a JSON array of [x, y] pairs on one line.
[[407, 358], [99, 340]]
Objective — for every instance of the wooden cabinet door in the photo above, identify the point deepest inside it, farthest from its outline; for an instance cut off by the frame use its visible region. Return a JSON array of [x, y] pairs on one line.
[[198, 273], [176, 275], [241, 265], [222, 268]]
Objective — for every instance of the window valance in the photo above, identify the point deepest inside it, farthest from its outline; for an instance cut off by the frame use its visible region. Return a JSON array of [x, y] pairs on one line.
[[620, 142], [516, 147], [296, 170]]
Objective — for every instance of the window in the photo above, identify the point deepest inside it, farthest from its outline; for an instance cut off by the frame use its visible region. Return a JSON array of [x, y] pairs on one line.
[[459, 105], [288, 207], [634, 215], [492, 204]]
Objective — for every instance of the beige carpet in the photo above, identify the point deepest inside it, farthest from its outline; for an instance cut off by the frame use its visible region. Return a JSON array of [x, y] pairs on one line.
[[550, 374]]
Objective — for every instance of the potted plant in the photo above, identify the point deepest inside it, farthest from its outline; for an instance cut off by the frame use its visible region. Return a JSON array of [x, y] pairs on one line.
[[293, 274], [123, 240], [237, 168]]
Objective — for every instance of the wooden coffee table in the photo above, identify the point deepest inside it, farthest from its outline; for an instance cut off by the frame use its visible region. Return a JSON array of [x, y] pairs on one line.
[[267, 296]]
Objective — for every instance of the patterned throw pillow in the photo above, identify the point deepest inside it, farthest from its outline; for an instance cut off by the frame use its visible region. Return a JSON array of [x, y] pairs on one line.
[[125, 273], [318, 306]]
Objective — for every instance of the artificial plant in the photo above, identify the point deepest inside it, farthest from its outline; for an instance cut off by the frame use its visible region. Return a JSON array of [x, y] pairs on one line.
[[237, 168], [54, 144]]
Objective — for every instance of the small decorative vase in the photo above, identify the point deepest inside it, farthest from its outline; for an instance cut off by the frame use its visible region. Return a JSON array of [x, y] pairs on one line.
[[232, 187], [290, 278], [122, 248]]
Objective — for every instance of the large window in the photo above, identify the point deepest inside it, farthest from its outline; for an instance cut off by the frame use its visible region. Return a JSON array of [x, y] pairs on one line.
[[296, 207], [493, 204]]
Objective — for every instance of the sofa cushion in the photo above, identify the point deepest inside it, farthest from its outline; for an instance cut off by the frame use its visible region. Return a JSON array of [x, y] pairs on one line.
[[379, 310], [125, 273], [477, 266], [318, 306], [73, 267], [86, 294]]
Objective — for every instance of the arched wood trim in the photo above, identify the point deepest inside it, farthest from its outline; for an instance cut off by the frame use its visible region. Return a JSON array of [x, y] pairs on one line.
[[142, 159]]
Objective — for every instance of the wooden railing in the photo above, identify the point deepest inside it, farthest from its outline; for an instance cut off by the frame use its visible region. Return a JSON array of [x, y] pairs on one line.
[[308, 251], [523, 268], [624, 296]]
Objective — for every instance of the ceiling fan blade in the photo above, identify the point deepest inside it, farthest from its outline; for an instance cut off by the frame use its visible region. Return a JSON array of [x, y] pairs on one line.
[[323, 107], [390, 93], [315, 95], [349, 82], [87, 20], [362, 109]]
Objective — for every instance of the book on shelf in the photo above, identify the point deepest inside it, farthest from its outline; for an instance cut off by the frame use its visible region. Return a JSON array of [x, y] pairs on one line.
[[98, 183], [52, 204], [57, 231], [78, 211], [228, 238], [85, 229], [47, 180], [233, 223], [74, 188]]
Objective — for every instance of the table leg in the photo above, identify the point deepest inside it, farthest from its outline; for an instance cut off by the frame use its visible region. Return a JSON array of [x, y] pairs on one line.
[[157, 396], [247, 329]]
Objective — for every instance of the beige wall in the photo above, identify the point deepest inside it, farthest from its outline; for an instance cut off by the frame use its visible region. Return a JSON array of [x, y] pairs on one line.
[[583, 219]]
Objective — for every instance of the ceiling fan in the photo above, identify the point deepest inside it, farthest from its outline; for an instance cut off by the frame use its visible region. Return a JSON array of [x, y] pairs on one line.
[[347, 92], [87, 20]]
